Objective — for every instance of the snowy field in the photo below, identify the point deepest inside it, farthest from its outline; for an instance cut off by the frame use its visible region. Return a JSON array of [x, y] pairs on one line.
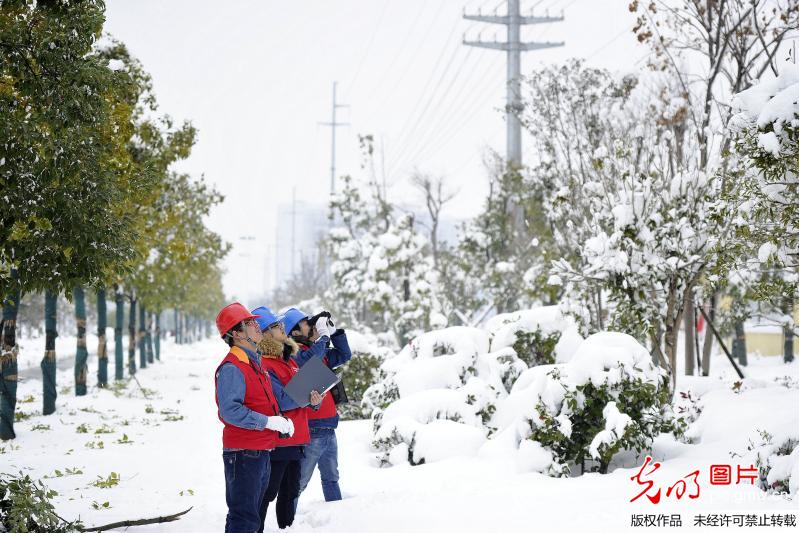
[[166, 449]]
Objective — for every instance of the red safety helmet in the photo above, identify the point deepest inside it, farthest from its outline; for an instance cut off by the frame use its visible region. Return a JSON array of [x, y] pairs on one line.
[[230, 315]]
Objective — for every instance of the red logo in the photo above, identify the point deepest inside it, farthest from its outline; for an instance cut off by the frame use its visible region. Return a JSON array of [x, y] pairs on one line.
[[689, 484]]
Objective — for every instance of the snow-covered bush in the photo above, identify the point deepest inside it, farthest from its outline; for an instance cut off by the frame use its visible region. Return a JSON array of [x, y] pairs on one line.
[[777, 461], [435, 378], [453, 379], [688, 408], [779, 467], [360, 373], [534, 334], [609, 397]]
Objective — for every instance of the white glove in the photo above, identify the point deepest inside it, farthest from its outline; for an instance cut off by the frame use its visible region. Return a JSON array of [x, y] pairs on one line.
[[322, 328], [280, 424]]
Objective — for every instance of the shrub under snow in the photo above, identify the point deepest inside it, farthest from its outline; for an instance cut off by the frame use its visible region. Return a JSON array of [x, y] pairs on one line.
[[436, 378], [777, 461], [454, 379], [534, 334], [462, 391], [361, 372], [609, 397]]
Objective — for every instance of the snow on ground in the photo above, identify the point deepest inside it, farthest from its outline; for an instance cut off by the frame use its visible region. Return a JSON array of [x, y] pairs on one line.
[[166, 449]]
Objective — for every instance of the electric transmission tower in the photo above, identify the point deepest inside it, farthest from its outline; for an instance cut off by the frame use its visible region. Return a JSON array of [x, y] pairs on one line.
[[514, 47], [333, 125]]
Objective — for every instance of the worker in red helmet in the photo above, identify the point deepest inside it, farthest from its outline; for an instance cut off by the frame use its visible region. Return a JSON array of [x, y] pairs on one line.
[[251, 417]]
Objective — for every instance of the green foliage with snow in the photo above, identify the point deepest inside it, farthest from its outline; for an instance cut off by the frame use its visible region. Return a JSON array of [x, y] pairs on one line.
[[766, 135], [25, 507], [360, 373], [535, 347], [596, 421]]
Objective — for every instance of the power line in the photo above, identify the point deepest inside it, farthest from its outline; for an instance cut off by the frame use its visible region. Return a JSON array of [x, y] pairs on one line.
[[403, 47], [442, 112], [614, 39], [368, 47], [422, 115], [404, 132], [453, 129]]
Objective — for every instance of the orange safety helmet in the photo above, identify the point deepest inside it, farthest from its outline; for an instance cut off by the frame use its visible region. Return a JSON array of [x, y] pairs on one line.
[[230, 315]]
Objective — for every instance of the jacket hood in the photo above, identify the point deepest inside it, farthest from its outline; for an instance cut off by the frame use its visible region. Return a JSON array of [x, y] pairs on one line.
[[275, 349]]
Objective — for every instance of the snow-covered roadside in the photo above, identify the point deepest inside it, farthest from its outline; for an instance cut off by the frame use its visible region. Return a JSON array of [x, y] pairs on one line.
[[176, 447]]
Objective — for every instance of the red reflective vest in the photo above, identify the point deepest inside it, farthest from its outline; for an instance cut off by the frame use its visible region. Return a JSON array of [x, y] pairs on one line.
[[285, 371], [328, 408], [258, 396]]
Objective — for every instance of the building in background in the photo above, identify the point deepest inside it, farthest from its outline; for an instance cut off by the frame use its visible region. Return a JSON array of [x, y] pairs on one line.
[[300, 226]]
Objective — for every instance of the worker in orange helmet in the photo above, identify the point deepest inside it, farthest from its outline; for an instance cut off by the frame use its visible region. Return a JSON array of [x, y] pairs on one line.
[[251, 417]]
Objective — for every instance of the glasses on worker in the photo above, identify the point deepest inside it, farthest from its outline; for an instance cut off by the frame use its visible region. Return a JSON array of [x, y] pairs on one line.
[[278, 326], [251, 322]]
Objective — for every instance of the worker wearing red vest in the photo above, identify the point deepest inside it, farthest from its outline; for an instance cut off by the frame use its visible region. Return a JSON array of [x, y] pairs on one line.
[[314, 341], [251, 417], [277, 351]]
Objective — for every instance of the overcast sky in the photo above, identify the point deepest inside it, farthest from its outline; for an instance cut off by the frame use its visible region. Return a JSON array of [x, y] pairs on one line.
[[255, 77]]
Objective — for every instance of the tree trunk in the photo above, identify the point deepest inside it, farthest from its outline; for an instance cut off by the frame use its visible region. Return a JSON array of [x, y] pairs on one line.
[[690, 331], [787, 331], [81, 354], [696, 344], [177, 326], [739, 343], [142, 344], [48, 364], [670, 340], [102, 345], [119, 351], [148, 337], [132, 336], [708, 346], [8, 366], [158, 336]]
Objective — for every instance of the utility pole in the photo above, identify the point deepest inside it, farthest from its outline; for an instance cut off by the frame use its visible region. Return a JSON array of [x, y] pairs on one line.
[[333, 125], [293, 224], [514, 47]]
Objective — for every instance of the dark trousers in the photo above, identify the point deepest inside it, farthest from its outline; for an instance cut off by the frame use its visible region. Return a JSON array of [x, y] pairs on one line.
[[246, 478], [284, 482]]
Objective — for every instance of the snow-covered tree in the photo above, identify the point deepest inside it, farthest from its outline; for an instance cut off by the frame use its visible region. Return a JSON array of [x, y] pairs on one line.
[[574, 113], [382, 269], [714, 50], [637, 224], [497, 266], [766, 132]]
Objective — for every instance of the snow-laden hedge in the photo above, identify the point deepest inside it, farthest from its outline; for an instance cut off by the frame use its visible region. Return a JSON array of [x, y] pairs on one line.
[[361, 372], [538, 336], [609, 397], [776, 457], [437, 395], [467, 391]]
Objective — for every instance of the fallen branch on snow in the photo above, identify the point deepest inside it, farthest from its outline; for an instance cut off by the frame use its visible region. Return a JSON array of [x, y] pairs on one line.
[[139, 522]]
